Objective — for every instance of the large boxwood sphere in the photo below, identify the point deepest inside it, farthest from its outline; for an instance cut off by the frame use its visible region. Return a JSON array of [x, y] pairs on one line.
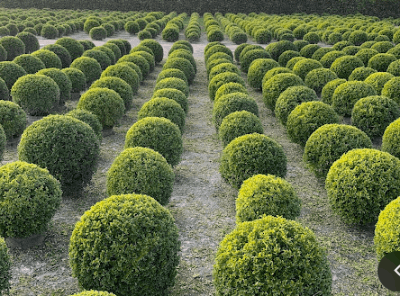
[[174, 94], [266, 195], [250, 155], [99, 56], [316, 79], [126, 244], [49, 58], [287, 55], [155, 47], [35, 93], [30, 197], [275, 71], [259, 257], [170, 33], [365, 54], [62, 80], [118, 85], [307, 118], [361, 73], [49, 31], [73, 46], [361, 183], [143, 171], [13, 46], [252, 55], [159, 134], [61, 52], [66, 146], [330, 57], [343, 66], [124, 72], [98, 33], [381, 61], [89, 66], [138, 60], [222, 79], [257, 70], [10, 72], [12, 118], [329, 89], [30, 63], [391, 89], [303, 66], [5, 267], [77, 78], [182, 64], [328, 143]]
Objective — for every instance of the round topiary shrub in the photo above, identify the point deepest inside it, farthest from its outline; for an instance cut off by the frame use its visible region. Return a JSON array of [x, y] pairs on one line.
[[94, 293], [182, 64], [329, 89], [329, 142], [361, 73], [90, 23], [306, 118], [30, 196], [3, 53], [286, 56], [395, 51], [30, 63], [391, 137], [87, 44], [252, 55], [49, 31], [274, 86], [4, 93], [319, 53], [308, 50], [170, 33], [373, 114], [30, 41], [49, 58], [12, 119], [262, 36], [173, 82], [364, 54], [138, 60], [132, 237], [73, 46], [174, 94], [381, 61], [5, 267], [155, 47], [391, 89], [115, 50], [316, 79], [382, 46], [125, 72], [89, 66], [98, 33], [328, 58], [257, 70], [358, 193], [311, 37], [260, 244], [132, 27], [378, 80], [164, 107], [358, 37], [77, 78], [394, 68], [36, 94], [159, 134], [10, 72], [13, 46], [61, 52], [222, 79], [228, 88], [74, 151], [89, 118], [351, 50], [237, 124], [274, 71], [302, 67], [250, 155], [275, 49], [290, 99], [62, 80], [343, 66], [105, 103], [172, 72], [141, 170], [222, 68], [262, 195], [348, 93], [99, 56]]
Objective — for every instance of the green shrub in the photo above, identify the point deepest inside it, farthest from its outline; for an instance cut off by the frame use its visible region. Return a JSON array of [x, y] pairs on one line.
[[228, 88], [12, 27], [275, 49], [119, 86], [316, 79], [252, 55], [287, 55], [73, 46], [394, 68], [108, 52], [239, 50], [89, 66], [159, 134], [391, 137], [4, 93], [329, 142], [391, 89], [174, 94], [149, 57], [126, 73], [91, 23], [308, 50], [364, 54], [274, 86], [215, 35], [36, 94], [358, 193], [74, 151], [378, 80], [100, 56], [30, 41], [130, 236], [138, 60], [182, 64], [237, 124], [181, 44], [351, 50], [62, 80], [105, 103], [221, 79], [49, 58], [257, 70], [328, 58], [121, 45], [115, 49], [77, 78], [290, 64], [94, 293], [87, 44], [30, 63], [319, 53], [395, 51], [170, 33], [144, 35], [5, 268], [3, 53], [12, 119], [173, 82], [348, 93], [61, 52], [13, 46], [373, 114], [262, 36], [250, 155], [98, 33], [262, 195], [311, 37], [304, 66], [149, 173], [221, 58], [49, 31], [343, 66], [4, 31], [222, 68], [155, 47], [361, 73], [274, 71], [381, 61], [329, 89], [382, 46], [10, 72], [89, 118]]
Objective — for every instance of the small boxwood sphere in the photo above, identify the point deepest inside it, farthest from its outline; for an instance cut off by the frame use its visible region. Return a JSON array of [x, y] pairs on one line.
[[143, 171], [237, 124], [239, 50], [394, 68], [348, 93], [61, 52], [5, 267], [89, 118], [358, 193], [170, 33], [361, 73], [132, 27], [93, 293], [98, 33], [275, 49], [252, 55], [222, 68], [174, 94], [105, 103], [316, 79], [391, 89], [343, 66], [266, 195], [155, 47], [74, 153], [274, 71], [373, 114], [62, 80], [10, 72], [262, 36], [30, 196], [391, 138], [12, 118], [159, 134], [172, 72], [250, 155], [30, 41], [358, 37], [328, 58], [287, 55], [182, 64], [219, 48], [378, 80], [308, 50], [89, 66], [278, 251], [13, 46], [222, 79], [290, 99], [164, 107], [73, 46], [365, 54], [49, 58], [311, 37], [382, 46], [329, 89], [381, 61], [77, 78], [49, 31], [173, 82], [131, 236], [115, 50], [30, 63], [36, 94], [304, 66], [138, 60], [99, 56], [90, 23], [274, 86], [328, 143], [228, 88], [257, 70], [306, 118], [125, 72]]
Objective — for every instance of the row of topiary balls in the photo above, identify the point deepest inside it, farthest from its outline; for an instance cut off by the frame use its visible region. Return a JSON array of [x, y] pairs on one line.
[[193, 29], [171, 31], [234, 32], [150, 26], [214, 30]]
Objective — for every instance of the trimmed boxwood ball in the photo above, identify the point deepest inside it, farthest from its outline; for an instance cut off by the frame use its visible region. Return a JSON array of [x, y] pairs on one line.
[[62, 80], [303, 66], [347, 94], [382, 46], [252, 55], [290, 99], [77, 78], [311, 37], [278, 251], [222, 79], [30, 63], [378, 80], [329, 89], [144, 34], [361, 183], [36, 94], [391, 138], [159, 134], [118, 85], [274, 86], [329, 142], [215, 34], [237, 124], [262, 195], [172, 72], [132, 27], [262, 36], [364, 54], [74, 153], [316, 79], [115, 50], [120, 44], [218, 47], [328, 58], [90, 23], [222, 68], [49, 31], [3, 53], [125, 72], [228, 88], [391, 89], [319, 53], [30, 41], [164, 107], [173, 82], [89, 66], [49, 58], [394, 68], [257, 70], [170, 33], [361, 73], [61, 52], [351, 50], [274, 71], [308, 50], [13, 46], [13, 119], [174, 94], [89, 118], [306, 118], [286, 56], [250, 155], [10, 72], [358, 37], [30, 196], [105, 103], [99, 56], [5, 267], [134, 241], [93, 293], [381, 61], [143, 171], [343, 66], [373, 114], [155, 47], [182, 64], [239, 50], [73, 46], [149, 57], [138, 60], [275, 49], [87, 44], [98, 33], [215, 62]]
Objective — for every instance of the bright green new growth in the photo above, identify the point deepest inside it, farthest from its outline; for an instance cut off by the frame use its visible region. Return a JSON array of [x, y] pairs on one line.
[[391, 89], [361, 73], [173, 82], [343, 66], [378, 80], [126, 73], [304, 66]]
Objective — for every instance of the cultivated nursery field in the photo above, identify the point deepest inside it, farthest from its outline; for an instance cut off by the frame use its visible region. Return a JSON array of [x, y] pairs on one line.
[[156, 153]]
